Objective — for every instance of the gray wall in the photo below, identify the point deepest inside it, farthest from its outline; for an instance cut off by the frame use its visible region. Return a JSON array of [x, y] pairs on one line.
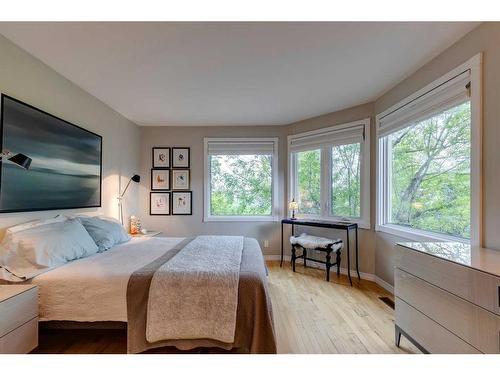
[[271, 231], [127, 149], [26, 78], [376, 249], [190, 225], [485, 38], [366, 237]]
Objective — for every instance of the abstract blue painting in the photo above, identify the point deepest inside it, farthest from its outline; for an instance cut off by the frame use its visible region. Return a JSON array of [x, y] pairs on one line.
[[66, 162]]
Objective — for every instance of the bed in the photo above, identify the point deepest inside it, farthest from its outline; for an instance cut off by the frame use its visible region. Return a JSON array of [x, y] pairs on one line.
[[94, 289]]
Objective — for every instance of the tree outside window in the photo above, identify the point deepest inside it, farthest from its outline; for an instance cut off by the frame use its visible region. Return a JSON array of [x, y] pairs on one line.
[[430, 177], [346, 181], [309, 182], [241, 185]]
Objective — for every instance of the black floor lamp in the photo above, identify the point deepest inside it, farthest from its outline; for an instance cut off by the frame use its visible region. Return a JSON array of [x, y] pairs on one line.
[[135, 178]]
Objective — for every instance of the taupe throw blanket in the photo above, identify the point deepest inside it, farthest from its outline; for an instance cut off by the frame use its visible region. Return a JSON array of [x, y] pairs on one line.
[[254, 330], [195, 294]]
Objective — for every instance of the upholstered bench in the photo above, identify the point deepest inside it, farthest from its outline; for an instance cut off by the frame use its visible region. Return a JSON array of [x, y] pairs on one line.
[[326, 245]]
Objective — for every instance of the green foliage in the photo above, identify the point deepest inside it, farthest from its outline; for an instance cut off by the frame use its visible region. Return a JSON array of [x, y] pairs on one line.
[[241, 185], [346, 182], [430, 177], [431, 173], [309, 181]]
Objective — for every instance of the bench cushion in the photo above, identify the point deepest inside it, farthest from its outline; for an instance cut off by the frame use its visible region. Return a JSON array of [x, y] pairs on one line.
[[312, 242]]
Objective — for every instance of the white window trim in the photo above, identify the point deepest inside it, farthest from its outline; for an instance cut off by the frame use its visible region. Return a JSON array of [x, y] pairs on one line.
[[206, 183], [364, 220], [475, 66]]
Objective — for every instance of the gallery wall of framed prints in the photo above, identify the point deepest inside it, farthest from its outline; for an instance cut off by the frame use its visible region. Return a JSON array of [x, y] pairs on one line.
[[171, 181]]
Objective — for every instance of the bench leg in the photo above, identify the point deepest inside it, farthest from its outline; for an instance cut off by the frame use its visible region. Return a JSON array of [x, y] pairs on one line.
[[338, 262], [304, 254], [293, 257], [328, 265]]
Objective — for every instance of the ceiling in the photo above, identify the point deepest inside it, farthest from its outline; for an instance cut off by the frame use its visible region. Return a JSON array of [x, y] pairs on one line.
[[274, 73]]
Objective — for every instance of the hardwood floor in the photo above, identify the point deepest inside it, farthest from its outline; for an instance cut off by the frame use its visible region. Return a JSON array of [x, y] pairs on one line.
[[314, 316], [311, 316]]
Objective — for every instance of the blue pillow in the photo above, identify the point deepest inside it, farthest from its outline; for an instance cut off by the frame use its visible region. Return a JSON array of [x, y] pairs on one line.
[[105, 233]]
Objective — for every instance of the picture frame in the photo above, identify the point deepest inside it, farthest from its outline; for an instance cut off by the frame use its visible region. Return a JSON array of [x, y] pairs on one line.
[[182, 203], [181, 179], [161, 157], [181, 157], [160, 179], [56, 141], [159, 203]]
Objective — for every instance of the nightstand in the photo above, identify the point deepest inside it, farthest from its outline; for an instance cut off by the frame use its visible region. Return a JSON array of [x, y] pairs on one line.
[[18, 318], [148, 234]]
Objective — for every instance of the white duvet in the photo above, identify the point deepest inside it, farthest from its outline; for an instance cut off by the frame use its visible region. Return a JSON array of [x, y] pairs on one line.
[[95, 288]]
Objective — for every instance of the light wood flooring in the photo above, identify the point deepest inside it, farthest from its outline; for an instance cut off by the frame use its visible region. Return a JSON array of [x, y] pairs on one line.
[[314, 316], [311, 316]]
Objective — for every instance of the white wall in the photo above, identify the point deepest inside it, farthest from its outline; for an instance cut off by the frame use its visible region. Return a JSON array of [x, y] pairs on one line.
[[26, 78]]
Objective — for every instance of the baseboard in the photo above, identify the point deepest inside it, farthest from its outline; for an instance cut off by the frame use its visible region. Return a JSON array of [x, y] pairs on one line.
[[384, 284], [365, 276]]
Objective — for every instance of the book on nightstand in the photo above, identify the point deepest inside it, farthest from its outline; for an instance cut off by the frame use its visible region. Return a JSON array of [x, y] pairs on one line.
[[149, 233]]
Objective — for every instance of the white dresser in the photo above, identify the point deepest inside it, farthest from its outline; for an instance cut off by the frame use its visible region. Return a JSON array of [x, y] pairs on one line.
[[448, 297], [18, 318]]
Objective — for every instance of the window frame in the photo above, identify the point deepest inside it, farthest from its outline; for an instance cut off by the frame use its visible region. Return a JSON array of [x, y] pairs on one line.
[[383, 165], [363, 221], [207, 216]]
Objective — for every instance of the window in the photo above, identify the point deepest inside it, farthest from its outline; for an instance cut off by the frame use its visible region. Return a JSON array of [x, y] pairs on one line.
[[240, 179], [346, 180], [309, 181], [425, 185], [330, 172]]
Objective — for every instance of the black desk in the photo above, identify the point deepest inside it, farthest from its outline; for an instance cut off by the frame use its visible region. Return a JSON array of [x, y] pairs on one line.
[[325, 224]]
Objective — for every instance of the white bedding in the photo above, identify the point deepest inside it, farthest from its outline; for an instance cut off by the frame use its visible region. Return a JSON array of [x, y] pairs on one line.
[[95, 288]]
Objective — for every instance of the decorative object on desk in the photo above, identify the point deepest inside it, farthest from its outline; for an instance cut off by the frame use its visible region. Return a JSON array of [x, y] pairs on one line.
[[293, 206], [161, 157], [182, 203], [159, 203], [180, 157], [135, 178], [160, 179], [180, 179], [66, 168], [135, 225], [20, 160]]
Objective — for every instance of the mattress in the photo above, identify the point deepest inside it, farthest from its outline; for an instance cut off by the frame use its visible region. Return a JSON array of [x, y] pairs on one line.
[[94, 289]]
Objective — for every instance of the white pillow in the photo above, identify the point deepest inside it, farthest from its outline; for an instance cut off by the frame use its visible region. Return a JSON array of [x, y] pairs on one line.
[[33, 251], [34, 223]]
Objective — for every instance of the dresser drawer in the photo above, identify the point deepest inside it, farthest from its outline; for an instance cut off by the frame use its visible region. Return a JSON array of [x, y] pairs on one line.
[[17, 310], [21, 340], [473, 324], [480, 288], [432, 336]]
